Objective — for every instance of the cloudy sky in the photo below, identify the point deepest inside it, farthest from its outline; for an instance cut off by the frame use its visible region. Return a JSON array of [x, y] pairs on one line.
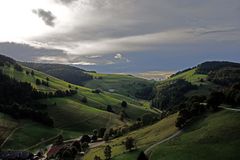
[[121, 35]]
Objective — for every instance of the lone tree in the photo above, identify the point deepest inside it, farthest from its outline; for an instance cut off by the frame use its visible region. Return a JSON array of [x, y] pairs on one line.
[[215, 99], [129, 143], [32, 73], [142, 156], [84, 99], [106, 137], [101, 132], [109, 108], [85, 138], [124, 104], [95, 133], [97, 157], [108, 152], [38, 82]]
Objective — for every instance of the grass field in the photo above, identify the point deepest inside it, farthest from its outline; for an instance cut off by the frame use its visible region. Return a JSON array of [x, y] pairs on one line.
[[118, 83], [144, 138], [216, 137], [28, 134], [7, 125]]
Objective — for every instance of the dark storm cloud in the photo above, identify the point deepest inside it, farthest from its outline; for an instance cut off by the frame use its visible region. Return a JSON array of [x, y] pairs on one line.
[[112, 24], [46, 16]]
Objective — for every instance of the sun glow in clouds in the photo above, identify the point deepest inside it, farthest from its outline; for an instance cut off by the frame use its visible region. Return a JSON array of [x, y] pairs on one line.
[[19, 23]]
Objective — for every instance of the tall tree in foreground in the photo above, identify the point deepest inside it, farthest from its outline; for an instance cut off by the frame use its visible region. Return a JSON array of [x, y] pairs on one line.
[[142, 156], [130, 143], [108, 152], [124, 104]]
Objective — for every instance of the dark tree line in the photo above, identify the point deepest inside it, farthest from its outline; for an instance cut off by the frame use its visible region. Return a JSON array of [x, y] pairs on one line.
[[225, 76], [24, 111], [207, 67]]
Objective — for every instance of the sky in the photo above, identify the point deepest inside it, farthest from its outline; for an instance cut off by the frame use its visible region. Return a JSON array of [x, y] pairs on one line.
[[121, 35]]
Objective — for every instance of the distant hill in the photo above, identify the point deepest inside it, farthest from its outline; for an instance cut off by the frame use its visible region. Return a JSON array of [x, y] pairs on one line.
[[199, 80], [67, 73]]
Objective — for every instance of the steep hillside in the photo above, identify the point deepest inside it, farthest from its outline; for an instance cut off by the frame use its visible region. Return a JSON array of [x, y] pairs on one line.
[[214, 137], [67, 73]]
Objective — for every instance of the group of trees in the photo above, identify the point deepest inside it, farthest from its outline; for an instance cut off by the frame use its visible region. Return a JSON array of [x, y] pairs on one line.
[[225, 76], [232, 94], [169, 95], [98, 91], [143, 90], [68, 73], [17, 100], [68, 151], [129, 143], [42, 82], [194, 107], [189, 109]]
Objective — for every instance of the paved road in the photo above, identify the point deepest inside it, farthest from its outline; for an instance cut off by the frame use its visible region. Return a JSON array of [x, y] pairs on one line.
[[148, 150], [231, 109]]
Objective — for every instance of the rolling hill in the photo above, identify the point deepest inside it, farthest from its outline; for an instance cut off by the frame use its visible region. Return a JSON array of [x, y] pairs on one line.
[[82, 117], [127, 85], [200, 80]]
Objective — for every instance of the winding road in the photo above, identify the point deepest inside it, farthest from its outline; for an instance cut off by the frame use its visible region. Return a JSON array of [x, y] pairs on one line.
[[148, 150]]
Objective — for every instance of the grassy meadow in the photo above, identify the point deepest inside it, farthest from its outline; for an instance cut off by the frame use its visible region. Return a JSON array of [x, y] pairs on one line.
[[215, 137]]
